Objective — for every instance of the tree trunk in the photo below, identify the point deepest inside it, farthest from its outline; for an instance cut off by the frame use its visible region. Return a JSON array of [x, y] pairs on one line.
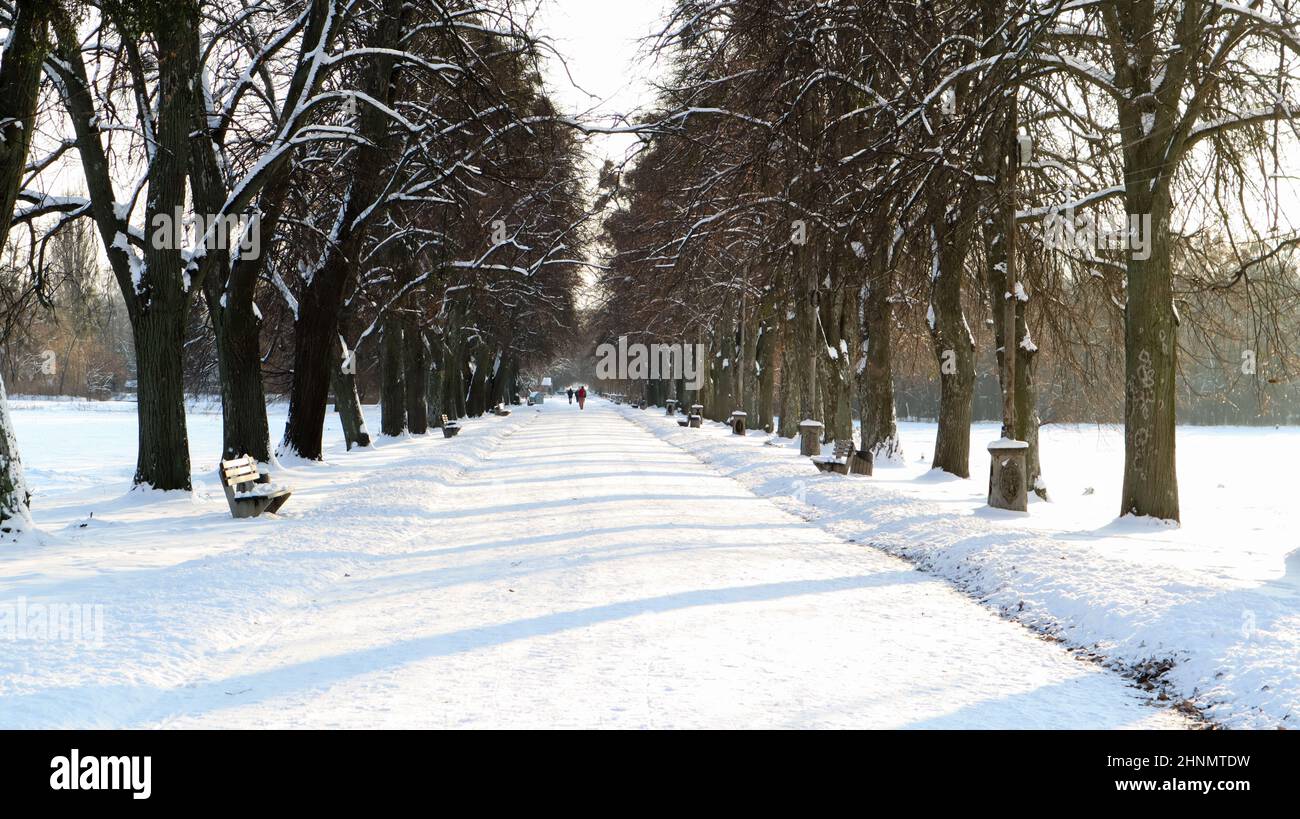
[[163, 457], [954, 350], [749, 393], [1150, 358], [788, 400], [500, 381], [161, 296], [20, 73], [876, 386], [244, 429], [314, 333], [1026, 410], [14, 497], [392, 395], [457, 385], [346, 401], [766, 357], [228, 290], [476, 398], [434, 389], [708, 386], [804, 353], [839, 320], [320, 302], [416, 363]]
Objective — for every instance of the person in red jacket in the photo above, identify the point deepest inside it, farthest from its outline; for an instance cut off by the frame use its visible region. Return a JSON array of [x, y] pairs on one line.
[[582, 397]]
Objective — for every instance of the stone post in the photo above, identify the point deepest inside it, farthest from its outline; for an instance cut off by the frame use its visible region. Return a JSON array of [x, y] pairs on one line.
[[1007, 475], [810, 437], [738, 422]]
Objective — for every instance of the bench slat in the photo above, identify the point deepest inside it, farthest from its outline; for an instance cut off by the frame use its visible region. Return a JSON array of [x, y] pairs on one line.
[[242, 470]]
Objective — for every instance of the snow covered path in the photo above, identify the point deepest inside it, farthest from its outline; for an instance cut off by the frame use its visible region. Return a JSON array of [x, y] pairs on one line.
[[583, 573]]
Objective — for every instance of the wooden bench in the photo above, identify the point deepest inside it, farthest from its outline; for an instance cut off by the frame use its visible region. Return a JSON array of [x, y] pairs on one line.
[[840, 460], [248, 491], [450, 429]]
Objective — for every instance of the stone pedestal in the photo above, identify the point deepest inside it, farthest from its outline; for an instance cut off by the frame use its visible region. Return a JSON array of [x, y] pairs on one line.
[[696, 421], [738, 422], [670, 406], [810, 437], [1008, 472]]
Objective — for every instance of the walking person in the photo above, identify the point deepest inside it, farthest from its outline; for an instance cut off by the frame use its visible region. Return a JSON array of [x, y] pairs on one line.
[[570, 395], [582, 397]]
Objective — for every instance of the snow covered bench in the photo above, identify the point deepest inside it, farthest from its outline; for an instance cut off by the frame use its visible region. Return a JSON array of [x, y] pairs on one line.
[[845, 460], [449, 428], [249, 492]]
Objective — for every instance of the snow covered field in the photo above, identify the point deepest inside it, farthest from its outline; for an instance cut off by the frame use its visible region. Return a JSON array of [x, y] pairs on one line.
[[553, 568], [1218, 597]]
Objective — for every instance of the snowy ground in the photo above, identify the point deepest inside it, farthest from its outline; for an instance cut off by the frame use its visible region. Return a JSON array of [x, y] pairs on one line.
[[1219, 597], [553, 568]]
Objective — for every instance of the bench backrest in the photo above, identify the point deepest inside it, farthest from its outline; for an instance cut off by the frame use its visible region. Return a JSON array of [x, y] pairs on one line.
[[843, 449], [239, 470]]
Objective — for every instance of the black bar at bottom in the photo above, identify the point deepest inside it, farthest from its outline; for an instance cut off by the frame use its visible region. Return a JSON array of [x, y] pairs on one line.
[[212, 769]]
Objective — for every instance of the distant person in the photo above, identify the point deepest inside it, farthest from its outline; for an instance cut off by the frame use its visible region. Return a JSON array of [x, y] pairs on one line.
[[582, 397], [570, 395]]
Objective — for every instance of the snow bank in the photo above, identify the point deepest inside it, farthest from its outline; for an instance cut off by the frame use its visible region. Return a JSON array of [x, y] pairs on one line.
[[1207, 613], [181, 588]]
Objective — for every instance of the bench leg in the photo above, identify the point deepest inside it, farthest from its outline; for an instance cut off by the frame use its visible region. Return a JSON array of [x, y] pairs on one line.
[[248, 507], [276, 503], [860, 464]]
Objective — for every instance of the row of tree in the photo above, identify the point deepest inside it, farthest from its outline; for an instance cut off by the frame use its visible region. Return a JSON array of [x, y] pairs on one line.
[[319, 182], [824, 184]]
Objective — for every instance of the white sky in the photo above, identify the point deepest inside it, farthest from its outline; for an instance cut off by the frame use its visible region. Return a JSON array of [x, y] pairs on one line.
[[604, 54], [601, 42]]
